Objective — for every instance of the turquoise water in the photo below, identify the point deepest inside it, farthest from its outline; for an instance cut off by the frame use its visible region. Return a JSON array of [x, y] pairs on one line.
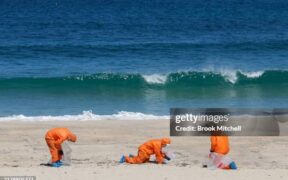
[[65, 57]]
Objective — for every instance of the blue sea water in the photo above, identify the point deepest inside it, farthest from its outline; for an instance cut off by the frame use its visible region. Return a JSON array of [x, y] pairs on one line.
[[61, 57]]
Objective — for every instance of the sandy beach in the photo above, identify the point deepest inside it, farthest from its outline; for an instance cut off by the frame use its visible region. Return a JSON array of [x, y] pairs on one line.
[[101, 143], [118, 74]]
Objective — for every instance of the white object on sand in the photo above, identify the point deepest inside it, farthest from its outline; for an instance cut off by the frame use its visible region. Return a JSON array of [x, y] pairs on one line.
[[168, 152], [66, 159], [218, 161]]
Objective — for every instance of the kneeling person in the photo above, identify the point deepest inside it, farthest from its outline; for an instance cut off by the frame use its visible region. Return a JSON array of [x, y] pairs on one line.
[[146, 150]]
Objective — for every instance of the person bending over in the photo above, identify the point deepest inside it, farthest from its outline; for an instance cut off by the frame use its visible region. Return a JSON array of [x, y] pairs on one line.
[[54, 138]]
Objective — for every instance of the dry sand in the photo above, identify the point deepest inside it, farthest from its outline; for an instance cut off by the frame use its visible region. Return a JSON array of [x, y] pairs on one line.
[[101, 143]]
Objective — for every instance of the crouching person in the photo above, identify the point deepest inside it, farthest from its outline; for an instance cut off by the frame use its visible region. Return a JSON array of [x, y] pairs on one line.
[[54, 138], [152, 147]]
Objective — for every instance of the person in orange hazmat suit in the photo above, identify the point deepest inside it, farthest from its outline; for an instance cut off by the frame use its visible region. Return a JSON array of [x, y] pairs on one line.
[[54, 138], [146, 150], [219, 144]]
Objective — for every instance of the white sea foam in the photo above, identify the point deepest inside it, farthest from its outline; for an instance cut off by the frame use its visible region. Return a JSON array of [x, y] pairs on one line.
[[155, 78], [86, 116], [255, 74], [230, 75]]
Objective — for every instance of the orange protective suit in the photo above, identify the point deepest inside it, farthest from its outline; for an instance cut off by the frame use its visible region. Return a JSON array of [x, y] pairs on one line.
[[149, 148], [54, 138], [219, 144]]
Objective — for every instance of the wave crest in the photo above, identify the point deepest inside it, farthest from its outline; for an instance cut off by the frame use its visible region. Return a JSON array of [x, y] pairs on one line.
[[136, 81]]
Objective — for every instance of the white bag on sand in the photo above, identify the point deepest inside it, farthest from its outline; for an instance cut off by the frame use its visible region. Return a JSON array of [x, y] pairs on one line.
[[66, 159], [216, 160], [168, 152]]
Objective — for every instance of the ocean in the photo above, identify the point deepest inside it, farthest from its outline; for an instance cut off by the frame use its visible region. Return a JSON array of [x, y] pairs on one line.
[[132, 59]]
